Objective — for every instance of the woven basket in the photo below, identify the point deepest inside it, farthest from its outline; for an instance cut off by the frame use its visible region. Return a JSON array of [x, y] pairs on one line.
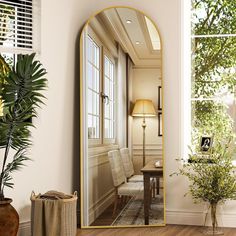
[[53, 217]]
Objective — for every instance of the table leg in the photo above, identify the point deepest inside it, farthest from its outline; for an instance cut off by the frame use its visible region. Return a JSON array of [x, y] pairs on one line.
[[158, 184], [146, 197]]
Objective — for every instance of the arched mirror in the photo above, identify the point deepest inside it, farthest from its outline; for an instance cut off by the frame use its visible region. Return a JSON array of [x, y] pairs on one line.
[[121, 121]]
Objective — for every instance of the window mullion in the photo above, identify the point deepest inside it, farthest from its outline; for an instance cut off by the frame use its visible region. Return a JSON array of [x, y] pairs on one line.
[[101, 98]]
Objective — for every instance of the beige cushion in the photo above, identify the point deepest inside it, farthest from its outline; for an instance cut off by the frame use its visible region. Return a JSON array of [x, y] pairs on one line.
[[117, 169], [127, 162], [130, 189], [136, 178]]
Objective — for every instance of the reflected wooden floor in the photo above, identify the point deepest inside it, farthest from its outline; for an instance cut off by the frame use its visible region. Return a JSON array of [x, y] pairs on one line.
[[169, 230], [106, 217]]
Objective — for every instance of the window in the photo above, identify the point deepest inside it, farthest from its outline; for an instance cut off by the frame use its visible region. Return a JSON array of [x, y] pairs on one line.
[[213, 69], [100, 74], [18, 30], [94, 81], [18, 26], [109, 88]]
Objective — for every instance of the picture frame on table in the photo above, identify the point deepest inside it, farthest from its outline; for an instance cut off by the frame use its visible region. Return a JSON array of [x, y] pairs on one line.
[[206, 144]]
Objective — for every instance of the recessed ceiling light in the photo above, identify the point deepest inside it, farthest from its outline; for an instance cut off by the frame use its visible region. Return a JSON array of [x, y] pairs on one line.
[[128, 21], [137, 42]]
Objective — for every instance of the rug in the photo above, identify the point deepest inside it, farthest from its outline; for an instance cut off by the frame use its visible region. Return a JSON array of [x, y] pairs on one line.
[[133, 212]]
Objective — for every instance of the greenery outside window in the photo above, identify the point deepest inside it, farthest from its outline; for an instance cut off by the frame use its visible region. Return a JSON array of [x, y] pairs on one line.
[[213, 69]]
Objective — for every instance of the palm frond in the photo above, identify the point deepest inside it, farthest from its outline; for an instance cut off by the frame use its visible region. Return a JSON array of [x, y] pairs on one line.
[[21, 94]]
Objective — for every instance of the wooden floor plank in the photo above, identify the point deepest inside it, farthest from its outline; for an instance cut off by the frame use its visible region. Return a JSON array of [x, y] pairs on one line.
[[169, 230]]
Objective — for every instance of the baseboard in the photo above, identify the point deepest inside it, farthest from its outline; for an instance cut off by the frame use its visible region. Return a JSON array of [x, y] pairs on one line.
[[100, 206], [24, 229], [172, 217], [197, 218]]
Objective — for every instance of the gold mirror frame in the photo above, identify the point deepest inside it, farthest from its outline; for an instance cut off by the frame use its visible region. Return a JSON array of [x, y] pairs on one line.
[[82, 119]]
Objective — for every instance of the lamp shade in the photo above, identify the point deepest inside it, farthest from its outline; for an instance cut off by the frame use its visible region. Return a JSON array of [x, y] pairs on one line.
[[144, 108]]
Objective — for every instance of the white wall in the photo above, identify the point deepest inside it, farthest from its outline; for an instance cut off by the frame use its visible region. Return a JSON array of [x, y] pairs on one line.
[[54, 137], [121, 100]]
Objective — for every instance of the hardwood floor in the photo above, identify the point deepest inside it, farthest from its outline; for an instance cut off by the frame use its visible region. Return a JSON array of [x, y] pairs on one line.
[[107, 217], [169, 230]]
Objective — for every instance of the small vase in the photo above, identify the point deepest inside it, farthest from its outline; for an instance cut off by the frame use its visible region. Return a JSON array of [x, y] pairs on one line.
[[9, 218], [214, 229]]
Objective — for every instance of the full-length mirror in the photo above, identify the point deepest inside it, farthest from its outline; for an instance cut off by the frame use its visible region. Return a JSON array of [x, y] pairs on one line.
[[121, 121]]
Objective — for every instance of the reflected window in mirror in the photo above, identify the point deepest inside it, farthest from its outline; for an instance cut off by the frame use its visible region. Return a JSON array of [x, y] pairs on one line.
[[101, 94], [93, 72], [109, 101]]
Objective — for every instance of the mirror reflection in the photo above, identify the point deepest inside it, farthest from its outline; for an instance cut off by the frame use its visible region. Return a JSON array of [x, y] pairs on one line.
[[121, 94]]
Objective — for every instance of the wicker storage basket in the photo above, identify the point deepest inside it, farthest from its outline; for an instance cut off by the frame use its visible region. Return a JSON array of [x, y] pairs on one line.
[[53, 217]]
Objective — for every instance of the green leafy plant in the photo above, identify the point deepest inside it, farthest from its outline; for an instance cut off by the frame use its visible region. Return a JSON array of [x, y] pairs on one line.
[[212, 178], [20, 95], [213, 68]]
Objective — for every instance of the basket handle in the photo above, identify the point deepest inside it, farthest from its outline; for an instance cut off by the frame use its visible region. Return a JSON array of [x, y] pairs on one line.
[[32, 194]]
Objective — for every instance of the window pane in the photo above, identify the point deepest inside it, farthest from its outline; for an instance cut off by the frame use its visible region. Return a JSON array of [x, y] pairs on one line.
[[93, 94], [109, 91], [97, 124], [106, 86], [91, 128], [89, 49], [106, 66], [107, 129], [96, 102], [213, 17], [112, 91], [213, 69], [90, 101], [90, 76], [97, 57], [96, 80], [106, 111]]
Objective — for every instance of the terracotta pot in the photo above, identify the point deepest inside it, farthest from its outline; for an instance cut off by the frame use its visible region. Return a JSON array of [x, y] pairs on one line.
[[9, 218]]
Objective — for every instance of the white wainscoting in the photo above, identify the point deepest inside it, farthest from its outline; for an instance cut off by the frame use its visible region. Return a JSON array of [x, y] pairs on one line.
[[101, 189], [180, 217], [172, 217], [101, 205], [24, 229], [150, 150]]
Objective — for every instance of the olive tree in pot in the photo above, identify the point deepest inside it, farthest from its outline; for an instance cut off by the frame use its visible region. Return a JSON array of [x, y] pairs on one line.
[[212, 178], [20, 95]]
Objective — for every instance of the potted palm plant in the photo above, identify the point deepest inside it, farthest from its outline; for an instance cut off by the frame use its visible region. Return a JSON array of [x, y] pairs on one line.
[[212, 178], [20, 96]]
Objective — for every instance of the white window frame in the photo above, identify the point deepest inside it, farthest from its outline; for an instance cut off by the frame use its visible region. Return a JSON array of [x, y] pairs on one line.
[[186, 83], [103, 52], [92, 35], [107, 54], [33, 31]]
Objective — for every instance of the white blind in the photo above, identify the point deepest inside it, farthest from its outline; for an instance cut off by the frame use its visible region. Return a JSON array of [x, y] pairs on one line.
[[19, 26]]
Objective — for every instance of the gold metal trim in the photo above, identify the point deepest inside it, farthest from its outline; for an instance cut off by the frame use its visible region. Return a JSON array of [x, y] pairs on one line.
[[81, 125]]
